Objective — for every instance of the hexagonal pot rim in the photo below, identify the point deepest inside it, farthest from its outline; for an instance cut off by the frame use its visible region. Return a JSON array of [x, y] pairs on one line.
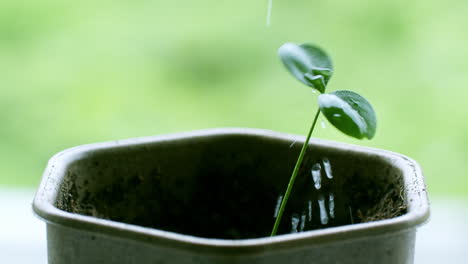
[[417, 200]]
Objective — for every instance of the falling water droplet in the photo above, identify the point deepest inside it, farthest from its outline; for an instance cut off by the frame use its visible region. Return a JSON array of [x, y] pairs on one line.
[[270, 7], [327, 168], [303, 222], [278, 204], [323, 124], [294, 223], [314, 91], [331, 205], [316, 175], [323, 210], [310, 211]]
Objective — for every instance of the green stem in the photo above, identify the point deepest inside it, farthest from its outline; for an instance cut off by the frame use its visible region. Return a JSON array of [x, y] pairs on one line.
[[293, 176]]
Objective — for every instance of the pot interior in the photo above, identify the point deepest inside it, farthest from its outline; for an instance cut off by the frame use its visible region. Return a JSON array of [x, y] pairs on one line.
[[228, 186]]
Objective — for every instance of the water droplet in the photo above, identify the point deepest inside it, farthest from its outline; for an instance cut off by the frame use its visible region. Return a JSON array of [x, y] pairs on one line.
[[323, 124], [327, 168], [323, 210], [270, 7], [314, 91], [278, 204], [303, 222], [331, 205], [310, 211], [294, 223], [337, 115], [317, 175], [292, 144]]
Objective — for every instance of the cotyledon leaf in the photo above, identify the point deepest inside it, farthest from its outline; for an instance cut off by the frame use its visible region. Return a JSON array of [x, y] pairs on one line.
[[307, 63], [350, 113]]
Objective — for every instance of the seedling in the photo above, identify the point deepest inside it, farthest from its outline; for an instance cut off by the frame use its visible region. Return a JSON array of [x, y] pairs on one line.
[[349, 112]]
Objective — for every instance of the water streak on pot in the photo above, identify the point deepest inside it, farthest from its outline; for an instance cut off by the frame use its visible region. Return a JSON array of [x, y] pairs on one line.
[[292, 144], [351, 214], [294, 223], [317, 175], [303, 222], [278, 204], [327, 168], [331, 205], [323, 210]]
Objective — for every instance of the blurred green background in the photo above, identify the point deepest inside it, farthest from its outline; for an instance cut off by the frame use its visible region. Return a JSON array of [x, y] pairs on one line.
[[76, 72]]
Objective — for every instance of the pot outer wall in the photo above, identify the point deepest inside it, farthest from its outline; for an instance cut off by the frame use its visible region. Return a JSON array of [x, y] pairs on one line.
[[71, 246], [80, 238]]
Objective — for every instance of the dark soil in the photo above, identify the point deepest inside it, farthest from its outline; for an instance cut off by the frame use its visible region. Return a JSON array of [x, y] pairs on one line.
[[231, 195], [373, 204]]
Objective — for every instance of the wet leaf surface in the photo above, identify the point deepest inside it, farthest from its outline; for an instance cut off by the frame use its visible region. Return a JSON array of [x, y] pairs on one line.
[[350, 113]]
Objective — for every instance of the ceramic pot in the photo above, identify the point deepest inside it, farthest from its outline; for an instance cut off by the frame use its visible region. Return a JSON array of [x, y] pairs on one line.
[[210, 196]]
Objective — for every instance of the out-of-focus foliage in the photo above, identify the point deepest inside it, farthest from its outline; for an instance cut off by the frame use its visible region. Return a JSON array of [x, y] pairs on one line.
[[75, 72]]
